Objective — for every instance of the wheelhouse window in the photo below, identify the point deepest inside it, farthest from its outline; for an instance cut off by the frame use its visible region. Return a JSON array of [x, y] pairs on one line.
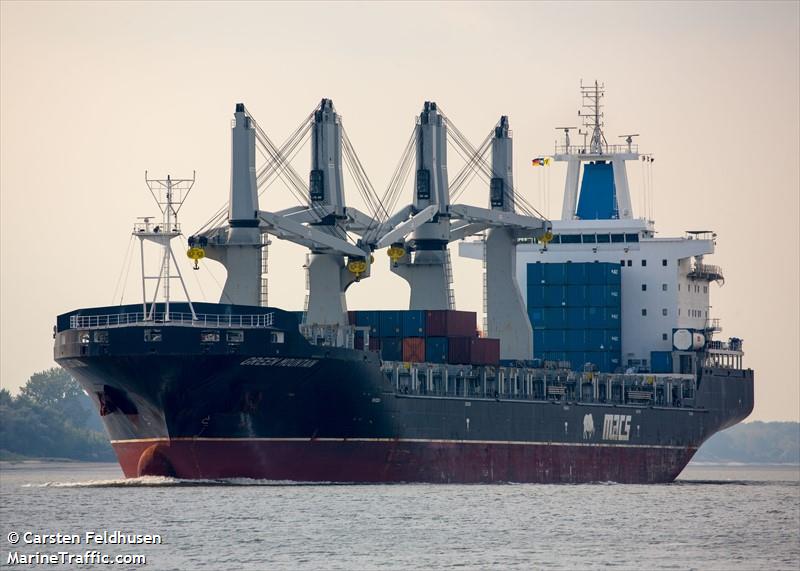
[[570, 238], [631, 237], [589, 238], [617, 238], [603, 238]]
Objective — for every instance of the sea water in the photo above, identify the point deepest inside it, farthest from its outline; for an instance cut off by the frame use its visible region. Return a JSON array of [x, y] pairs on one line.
[[712, 517]]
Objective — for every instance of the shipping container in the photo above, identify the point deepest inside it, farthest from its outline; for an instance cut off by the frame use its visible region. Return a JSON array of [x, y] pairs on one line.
[[413, 323], [535, 295], [535, 273], [611, 296], [414, 349], [554, 318], [436, 349], [536, 316], [613, 340], [351, 317], [595, 339], [375, 344], [575, 273], [553, 340], [612, 318], [450, 323], [391, 324], [596, 295], [575, 318], [391, 348], [458, 350], [485, 351], [553, 295], [661, 361], [613, 274], [554, 273], [538, 341], [358, 341], [574, 340], [575, 295], [370, 318]]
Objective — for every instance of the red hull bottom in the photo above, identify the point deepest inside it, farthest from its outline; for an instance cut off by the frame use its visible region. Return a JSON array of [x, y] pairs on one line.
[[400, 461]]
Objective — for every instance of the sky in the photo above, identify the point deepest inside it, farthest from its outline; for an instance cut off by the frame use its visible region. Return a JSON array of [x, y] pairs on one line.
[[94, 94]]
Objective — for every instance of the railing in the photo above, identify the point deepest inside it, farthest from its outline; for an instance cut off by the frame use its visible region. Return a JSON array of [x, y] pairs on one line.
[[707, 272], [156, 228], [713, 324], [510, 383], [175, 318], [607, 149]]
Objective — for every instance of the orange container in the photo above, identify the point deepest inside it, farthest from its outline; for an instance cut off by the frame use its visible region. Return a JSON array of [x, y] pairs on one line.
[[414, 349]]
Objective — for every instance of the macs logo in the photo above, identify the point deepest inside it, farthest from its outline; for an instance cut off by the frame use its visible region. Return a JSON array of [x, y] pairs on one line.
[[617, 427]]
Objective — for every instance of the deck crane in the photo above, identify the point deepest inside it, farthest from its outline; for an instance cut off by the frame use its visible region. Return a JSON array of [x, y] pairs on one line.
[[418, 234], [321, 225]]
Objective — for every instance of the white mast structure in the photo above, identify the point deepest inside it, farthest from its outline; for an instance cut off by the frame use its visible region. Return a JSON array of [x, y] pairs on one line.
[[170, 195]]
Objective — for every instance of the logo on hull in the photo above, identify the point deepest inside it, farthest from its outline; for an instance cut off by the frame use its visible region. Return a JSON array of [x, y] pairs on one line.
[[588, 427], [616, 427]]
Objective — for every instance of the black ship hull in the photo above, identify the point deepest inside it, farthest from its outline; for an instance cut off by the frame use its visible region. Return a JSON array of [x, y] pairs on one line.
[[279, 408]]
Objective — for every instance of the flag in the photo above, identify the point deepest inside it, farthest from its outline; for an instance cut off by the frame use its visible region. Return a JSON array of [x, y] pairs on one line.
[[537, 162]]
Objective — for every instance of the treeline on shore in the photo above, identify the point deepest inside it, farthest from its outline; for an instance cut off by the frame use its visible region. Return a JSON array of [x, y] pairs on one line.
[[51, 417]]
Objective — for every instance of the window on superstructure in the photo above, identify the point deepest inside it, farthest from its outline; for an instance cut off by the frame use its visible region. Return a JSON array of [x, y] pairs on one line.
[[664, 337], [631, 237], [644, 313], [644, 263], [705, 289], [571, 239], [617, 238], [589, 238], [622, 262], [644, 287], [664, 312], [603, 239], [630, 263], [663, 262], [663, 287]]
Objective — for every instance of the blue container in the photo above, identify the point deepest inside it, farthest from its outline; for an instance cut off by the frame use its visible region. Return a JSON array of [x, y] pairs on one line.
[[535, 295], [661, 361], [392, 349], [596, 273], [596, 318], [575, 318], [414, 324], [613, 274], [554, 295], [595, 339], [595, 295], [538, 341], [612, 318], [536, 316], [613, 340], [436, 349], [371, 319], [575, 295], [535, 273], [553, 340], [554, 318], [611, 295], [575, 273], [574, 340], [575, 358], [391, 324], [554, 273]]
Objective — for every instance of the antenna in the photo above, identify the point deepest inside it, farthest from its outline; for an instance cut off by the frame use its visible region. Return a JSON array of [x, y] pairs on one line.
[[592, 115], [566, 135], [629, 139], [169, 194]]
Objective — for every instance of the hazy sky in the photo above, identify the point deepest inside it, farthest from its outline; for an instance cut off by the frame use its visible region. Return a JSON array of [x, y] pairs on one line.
[[92, 94]]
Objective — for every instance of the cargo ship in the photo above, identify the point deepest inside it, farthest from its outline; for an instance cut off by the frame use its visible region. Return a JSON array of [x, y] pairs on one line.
[[596, 360]]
